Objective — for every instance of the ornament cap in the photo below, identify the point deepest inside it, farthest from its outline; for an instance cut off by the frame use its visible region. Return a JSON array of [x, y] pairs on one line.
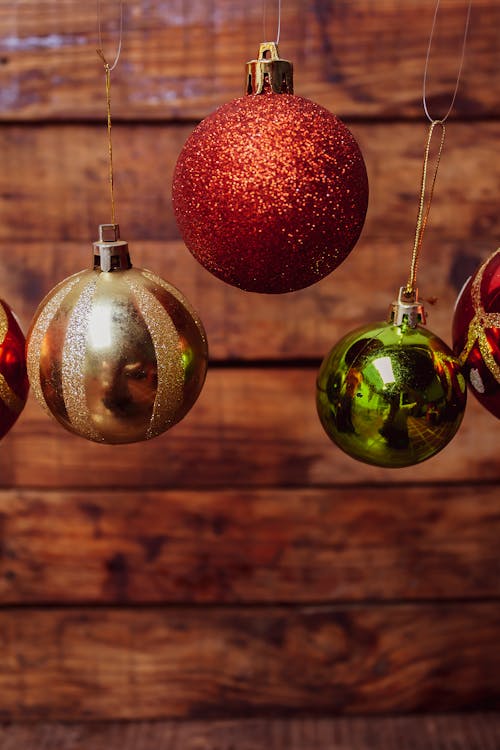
[[407, 309], [110, 252], [269, 71]]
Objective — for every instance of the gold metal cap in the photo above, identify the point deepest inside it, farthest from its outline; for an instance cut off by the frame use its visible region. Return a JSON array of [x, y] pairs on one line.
[[110, 252], [407, 309], [269, 69]]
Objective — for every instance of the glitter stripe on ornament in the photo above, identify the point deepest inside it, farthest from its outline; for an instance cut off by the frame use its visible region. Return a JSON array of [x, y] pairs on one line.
[[170, 370], [192, 340], [4, 324], [481, 321], [11, 401], [180, 297], [38, 332], [476, 332], [73, 376], [120, 364]]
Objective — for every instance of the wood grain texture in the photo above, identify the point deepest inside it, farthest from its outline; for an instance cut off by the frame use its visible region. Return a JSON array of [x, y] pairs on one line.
[[241, 565], [53, 182], [265, 661], [476, 731], [244, 327], [182, 60], [249, 428], [303, 545]]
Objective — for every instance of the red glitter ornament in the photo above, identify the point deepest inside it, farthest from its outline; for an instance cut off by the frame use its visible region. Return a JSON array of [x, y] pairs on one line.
[[476, 333], [13, 377], [270, 191]]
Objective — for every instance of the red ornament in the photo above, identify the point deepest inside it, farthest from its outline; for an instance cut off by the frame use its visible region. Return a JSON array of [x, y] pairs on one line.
[[476, 333], [270, 191], [13, 377]]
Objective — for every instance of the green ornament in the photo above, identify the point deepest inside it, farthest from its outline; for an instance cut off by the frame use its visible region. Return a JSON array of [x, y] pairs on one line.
[[392, 393]]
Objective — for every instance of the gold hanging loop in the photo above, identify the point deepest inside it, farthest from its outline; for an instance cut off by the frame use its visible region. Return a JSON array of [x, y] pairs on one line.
[[107, 70], [424, 210], [410, 290]]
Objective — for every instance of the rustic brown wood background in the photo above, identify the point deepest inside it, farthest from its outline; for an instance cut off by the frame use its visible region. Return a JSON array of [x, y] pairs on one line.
[[241, 565]]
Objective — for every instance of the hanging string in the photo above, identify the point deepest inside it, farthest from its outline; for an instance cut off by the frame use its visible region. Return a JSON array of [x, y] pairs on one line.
[[423, 209], [278, 29], [427, 59], [107, 70]]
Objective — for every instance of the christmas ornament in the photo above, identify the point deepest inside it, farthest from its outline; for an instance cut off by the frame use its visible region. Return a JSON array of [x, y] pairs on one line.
[[14, 384], [270, 191], [115, 353], [476, 333], [391, 394]]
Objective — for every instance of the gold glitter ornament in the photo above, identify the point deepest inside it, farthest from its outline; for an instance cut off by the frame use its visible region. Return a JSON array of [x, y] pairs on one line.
[[114, 353]]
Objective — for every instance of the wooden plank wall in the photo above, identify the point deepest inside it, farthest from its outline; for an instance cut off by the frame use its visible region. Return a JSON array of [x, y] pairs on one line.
[[241, 565], [442, 732]]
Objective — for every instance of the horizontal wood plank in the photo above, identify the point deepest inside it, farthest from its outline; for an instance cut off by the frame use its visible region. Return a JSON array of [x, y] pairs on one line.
[[303, 545], [244, 327], [182, 60], [249, 428], [53, 183], [474, 731], [199, 663], [275, 576]]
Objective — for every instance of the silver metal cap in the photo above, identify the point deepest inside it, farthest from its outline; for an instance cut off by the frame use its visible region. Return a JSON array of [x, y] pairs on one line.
[[407, 309], [110, 252]]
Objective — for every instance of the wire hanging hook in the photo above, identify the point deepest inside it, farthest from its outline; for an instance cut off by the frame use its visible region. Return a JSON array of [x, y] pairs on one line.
[[427, 60], [278, 25], [424, 210], [100, 50]]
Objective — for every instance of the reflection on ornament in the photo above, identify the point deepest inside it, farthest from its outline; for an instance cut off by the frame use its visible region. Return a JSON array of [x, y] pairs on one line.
[[14, 384], [391, 393], [270, 191], [476, 333], [115, 353]]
